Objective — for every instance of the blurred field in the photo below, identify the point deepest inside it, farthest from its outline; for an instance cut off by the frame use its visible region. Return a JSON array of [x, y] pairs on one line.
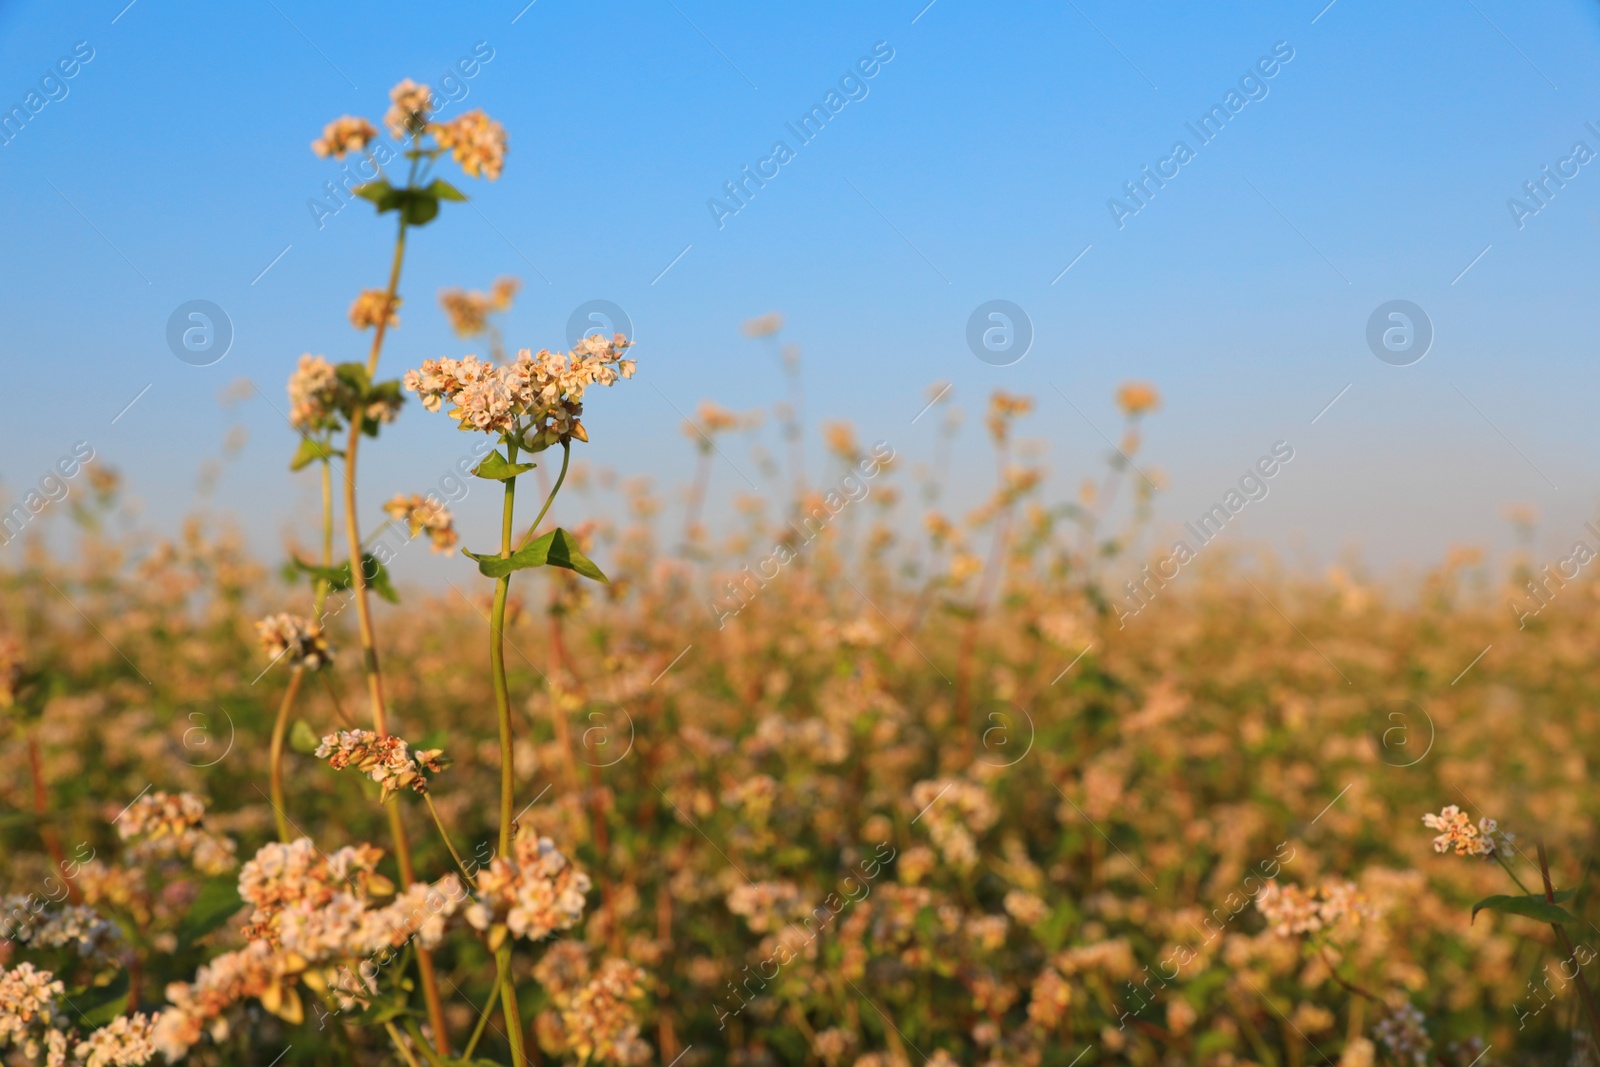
[[918, 798]]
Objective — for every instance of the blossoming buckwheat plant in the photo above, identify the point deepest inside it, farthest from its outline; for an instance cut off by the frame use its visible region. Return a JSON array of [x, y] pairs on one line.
[[528, 405], [329, 399], [1457, 832]]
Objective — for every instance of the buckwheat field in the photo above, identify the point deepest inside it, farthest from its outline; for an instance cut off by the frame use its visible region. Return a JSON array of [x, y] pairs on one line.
[[858, 778]]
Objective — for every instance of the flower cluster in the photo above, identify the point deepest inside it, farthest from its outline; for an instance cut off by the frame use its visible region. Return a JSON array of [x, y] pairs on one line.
[[469, 310], [125, 1042], [28, 999], [297, 873], [1136, 398], [301, 641], [409, 107], [372, 307], [421, 513], [955, 810], [1404, 1031], [535, 401], [163, 825], [477, 142], [343, 136], [530, 896], [591, 1017], [33, 1022], [1456, 831], [74, 926], [1292, 910], [387, 760], [316, 395]]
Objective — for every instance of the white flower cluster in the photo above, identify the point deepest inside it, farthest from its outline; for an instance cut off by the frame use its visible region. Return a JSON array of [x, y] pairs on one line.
[[303, 642], [313, 921], [535, 401], [531, 896], [389, 761], [163, 825]]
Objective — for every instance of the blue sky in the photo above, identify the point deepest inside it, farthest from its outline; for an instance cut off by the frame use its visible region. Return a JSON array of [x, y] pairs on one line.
[[979, 165]]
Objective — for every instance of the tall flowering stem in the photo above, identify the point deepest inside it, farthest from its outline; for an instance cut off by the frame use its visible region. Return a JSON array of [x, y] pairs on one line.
[[1584, 992], [369, 642], [529, 404], [497, 663], [280, 729], [508, 780]]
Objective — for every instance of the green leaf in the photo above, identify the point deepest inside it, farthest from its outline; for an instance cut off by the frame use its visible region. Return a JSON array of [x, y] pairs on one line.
[[380, 193], [302, 738], [99, 1005], [385, 392], [1533, 906], [557, 548], [378, 579], [418, 207], [354, 375], [339, 577], [445, 191], [1565, 895], [564, 552], [217, 903], [383, 1009], [496, 468], [309, 452]]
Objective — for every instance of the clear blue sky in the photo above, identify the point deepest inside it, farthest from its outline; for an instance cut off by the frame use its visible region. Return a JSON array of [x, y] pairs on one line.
[[979, 165]]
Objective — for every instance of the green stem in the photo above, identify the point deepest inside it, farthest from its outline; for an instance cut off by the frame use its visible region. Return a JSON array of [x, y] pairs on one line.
[[508, 1004], [280, 729], [437, 821], [422, 1043], [1585, 995], [502, 699], [497, 662], [500, 970], [327, 539], [1507, 868], [399, 1043], [566, 456]]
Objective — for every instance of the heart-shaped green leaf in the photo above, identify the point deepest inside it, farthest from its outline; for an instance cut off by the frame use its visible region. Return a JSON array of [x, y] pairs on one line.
[[497, 468], [557, 548], [99, 1005], [309, 452], [445, 191], [381, 193], [302, 738], [1533, 906]]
